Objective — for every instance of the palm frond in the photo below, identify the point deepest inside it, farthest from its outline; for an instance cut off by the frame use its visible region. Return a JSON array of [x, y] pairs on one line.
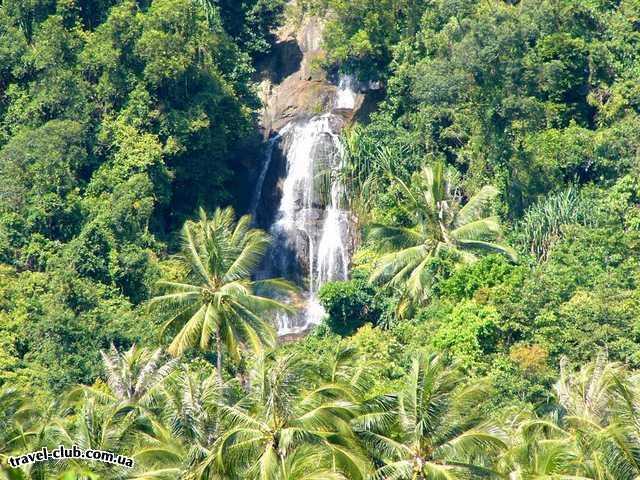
[[188, 333], [476, 206], [488, 248], [481, 229]]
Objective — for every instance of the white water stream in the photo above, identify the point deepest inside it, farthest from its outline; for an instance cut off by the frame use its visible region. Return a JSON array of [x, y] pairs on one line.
[[309, 218], [347, 92], [268, 155], [311, 229]]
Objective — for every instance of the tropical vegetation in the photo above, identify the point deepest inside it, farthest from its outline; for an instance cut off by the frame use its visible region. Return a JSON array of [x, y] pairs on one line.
[[490, 325]]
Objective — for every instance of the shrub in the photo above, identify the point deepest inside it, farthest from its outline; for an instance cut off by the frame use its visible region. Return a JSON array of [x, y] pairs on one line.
[[349, 305], [469, 332]]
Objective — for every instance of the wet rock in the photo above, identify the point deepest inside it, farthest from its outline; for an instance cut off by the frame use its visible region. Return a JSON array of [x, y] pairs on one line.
[[293, 83]]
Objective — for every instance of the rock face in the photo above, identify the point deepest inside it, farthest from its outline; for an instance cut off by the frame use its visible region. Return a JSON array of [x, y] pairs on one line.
[[294, 85], [298, 194], [294, 88]]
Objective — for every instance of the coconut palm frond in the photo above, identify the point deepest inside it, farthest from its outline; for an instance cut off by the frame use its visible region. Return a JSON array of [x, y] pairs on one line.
[[388, 237], [440, 225], [220, 255], [483, 229], [395, 267], [476, 206], [189, 333], [479, 246]]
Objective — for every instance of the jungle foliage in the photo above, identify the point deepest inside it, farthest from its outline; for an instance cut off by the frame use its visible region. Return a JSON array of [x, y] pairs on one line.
[[491, 325]]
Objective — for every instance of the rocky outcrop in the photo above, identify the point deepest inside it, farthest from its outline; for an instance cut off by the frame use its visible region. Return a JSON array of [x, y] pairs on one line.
[[294, 85]]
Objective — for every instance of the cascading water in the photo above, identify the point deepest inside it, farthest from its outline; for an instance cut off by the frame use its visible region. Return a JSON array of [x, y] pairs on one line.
[[309, 226], [311, 230], [333, 251], [346, 93], [268, 155]]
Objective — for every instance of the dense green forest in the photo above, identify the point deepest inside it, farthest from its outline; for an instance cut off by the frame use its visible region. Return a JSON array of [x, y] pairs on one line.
[[491, 324]]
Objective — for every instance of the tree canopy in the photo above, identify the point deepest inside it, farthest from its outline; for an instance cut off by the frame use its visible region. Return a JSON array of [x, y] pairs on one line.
[[490, 323]]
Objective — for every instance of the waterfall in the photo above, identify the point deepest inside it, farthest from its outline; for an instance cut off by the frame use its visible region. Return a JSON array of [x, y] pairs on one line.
[[333, 253], [311, 230], [268, 154], [346, 93], [310, 227]]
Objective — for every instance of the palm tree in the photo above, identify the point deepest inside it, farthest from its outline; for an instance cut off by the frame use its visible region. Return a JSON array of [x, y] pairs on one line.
[[17, 419], [217, 299], [437, 431], [346, 375], [185, 430], [539, 448], [133, 376], [590, 393], [306, 463], [440, 225], [91, 423], [112, 418], [286, 424], [600, 406]]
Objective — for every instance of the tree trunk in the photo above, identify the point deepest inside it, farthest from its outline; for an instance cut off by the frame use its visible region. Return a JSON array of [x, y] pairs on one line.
[[219, 354]]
